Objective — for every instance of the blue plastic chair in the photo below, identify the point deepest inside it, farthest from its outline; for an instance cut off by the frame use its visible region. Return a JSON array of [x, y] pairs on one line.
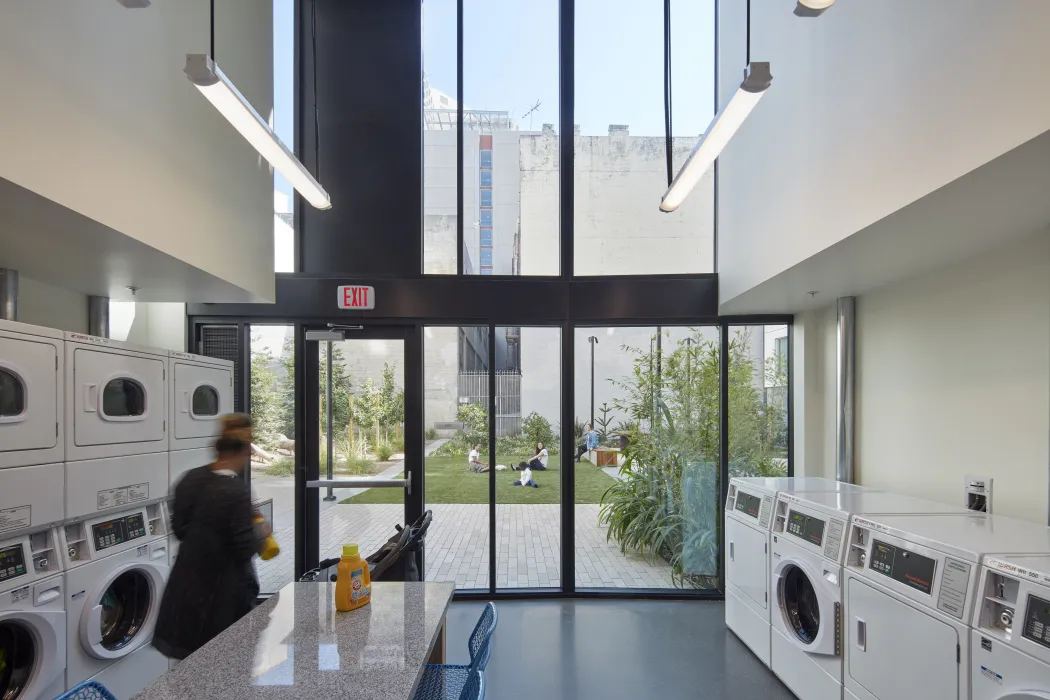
[[475, 687], [449, 681], [89, 690]]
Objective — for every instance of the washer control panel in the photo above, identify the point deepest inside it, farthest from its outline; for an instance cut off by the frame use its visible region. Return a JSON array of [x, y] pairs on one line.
[[12, 562], [912, 569], [118, 531], [755, 506], [1037, 621]]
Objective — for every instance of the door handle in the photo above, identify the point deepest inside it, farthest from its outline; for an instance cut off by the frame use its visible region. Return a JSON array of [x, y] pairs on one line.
[[185, 402], [862, 635], [732, 552], [94, 630], [91, 398]]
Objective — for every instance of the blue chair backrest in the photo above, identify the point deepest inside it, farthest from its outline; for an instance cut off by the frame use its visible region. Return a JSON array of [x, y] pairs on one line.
[[479, 642], [474, 689]]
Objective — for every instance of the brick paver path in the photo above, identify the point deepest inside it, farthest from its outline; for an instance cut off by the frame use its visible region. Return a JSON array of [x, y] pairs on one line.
[[527, 553]]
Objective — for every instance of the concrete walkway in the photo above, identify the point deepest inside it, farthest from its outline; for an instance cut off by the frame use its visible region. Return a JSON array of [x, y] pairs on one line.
[[528, 548]]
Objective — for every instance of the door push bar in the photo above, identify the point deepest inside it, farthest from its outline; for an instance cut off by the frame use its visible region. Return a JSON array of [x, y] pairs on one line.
[[365, 483]]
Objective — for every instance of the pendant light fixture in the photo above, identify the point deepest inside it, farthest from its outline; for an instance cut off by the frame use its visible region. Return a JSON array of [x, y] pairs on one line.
[[205, 74], [757, 80]]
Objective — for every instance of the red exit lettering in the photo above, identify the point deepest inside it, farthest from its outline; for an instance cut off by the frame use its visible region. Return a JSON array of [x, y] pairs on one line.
[[356, 297]]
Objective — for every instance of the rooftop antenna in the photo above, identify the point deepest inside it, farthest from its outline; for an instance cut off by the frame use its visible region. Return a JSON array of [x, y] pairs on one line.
[[531, 112]]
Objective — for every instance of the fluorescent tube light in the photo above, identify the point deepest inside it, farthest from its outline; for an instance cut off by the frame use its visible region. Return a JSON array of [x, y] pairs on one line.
[[812, 8], [718, 134], [214, 85]]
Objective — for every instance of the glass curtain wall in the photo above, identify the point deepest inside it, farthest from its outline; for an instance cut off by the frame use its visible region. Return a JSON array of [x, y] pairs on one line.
[[457, 462], [272, 408], [758, 400], [648, 475]]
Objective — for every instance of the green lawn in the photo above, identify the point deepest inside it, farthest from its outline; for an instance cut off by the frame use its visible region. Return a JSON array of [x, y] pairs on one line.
[[449, 481]]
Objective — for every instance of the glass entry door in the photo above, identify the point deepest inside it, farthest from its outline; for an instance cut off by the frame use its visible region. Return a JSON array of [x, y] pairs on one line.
[[358, 435]]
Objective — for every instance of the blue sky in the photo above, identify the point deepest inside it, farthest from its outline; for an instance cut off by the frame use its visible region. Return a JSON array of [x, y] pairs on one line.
[[511, 61]]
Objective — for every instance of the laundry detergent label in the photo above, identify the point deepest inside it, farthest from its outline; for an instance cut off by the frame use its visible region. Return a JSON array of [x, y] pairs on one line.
[[991, 675], [16, 518], [114, 498], [358, 589]]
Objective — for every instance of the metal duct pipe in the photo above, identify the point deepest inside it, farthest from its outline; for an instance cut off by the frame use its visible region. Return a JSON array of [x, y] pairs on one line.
[[8, 294], [98, 316], [844, 389]]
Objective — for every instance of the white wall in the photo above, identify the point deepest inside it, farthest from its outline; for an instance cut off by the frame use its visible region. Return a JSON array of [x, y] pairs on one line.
[[52, 307], [99, 117], [155, 325], [953, 378], [873, 106]]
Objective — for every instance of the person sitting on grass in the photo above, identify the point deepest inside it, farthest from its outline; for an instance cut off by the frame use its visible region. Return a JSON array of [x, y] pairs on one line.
[[474, 461], [526, 477], [538, 461]]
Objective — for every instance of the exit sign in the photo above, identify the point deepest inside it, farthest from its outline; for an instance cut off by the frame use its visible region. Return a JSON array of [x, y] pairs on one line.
[[355, 297]]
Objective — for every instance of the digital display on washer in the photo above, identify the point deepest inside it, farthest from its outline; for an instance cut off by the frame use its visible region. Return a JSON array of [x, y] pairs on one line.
[[746, 503], [804, 527], [1037, 621], [12, 562], [909, 568], [118, 531]]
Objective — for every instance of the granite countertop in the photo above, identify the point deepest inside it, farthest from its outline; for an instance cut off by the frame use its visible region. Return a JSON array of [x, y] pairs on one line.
[[297, 645]]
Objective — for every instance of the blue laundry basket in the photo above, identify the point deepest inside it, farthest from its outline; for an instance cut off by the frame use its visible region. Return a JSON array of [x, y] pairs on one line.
[[88, 690]]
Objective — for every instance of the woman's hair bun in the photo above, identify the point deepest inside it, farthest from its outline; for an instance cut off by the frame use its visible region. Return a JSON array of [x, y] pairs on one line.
[[236, 433]]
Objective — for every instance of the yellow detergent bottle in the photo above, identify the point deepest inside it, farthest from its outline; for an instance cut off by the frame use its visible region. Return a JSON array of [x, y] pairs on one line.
[[353, 585], [270, 548]]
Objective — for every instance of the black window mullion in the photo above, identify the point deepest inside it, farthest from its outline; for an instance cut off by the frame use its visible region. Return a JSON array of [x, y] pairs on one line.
[[723, 444], [459, 137], [568, 464], [566, 142], [492, 458]]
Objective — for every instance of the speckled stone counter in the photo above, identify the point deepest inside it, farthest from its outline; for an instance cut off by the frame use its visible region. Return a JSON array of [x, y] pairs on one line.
[[297, 645]]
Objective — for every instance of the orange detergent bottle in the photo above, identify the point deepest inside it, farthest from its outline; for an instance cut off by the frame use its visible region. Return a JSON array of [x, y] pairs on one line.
[[353, 585]]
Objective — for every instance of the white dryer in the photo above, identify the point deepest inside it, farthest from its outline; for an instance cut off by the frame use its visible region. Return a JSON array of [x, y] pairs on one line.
[[31, 498], [1010, 643], [32, 617], [31, 395], [748, 516], [116, 398], [116, 569], [910, 585], [201, 390], [808, 545]]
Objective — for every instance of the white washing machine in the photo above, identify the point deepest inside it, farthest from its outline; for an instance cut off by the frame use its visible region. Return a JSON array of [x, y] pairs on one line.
[[201, 390], [808, 545], [116, 398], [1010, 643], [32, 616], [748, 516], [31, 395], [910, 586], [116, 567]]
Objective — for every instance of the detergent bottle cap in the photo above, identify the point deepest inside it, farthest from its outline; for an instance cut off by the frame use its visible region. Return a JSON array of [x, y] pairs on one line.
[[350, 551]]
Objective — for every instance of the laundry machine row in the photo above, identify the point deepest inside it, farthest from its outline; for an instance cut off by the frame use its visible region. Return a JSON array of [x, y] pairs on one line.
[[89, 429], [930, 608]]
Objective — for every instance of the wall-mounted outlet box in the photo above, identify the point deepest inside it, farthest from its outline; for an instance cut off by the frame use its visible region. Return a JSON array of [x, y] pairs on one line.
[[977, 493]]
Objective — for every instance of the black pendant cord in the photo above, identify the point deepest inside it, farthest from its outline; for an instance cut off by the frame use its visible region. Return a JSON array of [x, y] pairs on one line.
[[313, 61], [669, 142], [211, 19], [749, 32]]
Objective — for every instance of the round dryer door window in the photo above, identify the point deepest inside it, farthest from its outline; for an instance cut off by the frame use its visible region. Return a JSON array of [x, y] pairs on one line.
[[125, 609], [800, 606], [17, 659]]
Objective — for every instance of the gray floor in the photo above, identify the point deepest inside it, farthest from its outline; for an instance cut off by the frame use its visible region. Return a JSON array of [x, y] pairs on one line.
[[606, 650]]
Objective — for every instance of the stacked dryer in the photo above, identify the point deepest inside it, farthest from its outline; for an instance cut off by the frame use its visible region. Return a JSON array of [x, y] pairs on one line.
[[200, 390], [32, 611], [748, 518], [808, 547], [912, 584], [114, 542]]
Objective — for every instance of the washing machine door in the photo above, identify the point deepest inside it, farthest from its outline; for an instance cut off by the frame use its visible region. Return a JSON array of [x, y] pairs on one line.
[[202, 394], [28, 396], [120, 615], [31, 654], [118, 398], [810, 616]]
